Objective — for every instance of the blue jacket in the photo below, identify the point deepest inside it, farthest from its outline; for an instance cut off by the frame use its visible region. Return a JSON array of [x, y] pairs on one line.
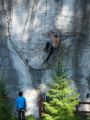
[[21, 103]]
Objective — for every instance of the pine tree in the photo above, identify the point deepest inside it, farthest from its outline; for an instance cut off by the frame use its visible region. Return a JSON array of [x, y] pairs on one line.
[[5, 104], [61, 101]]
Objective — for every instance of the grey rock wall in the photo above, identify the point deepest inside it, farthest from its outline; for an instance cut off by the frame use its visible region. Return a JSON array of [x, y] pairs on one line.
[[24, 25]]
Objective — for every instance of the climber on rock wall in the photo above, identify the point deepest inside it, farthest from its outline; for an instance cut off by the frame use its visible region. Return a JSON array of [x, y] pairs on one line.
[[51, 47]]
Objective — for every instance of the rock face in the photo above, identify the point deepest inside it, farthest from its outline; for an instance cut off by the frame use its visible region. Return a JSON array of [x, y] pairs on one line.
[[24, 25]]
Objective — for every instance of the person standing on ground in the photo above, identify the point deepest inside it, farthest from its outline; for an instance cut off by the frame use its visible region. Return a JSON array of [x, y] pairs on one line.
[[21, 106]]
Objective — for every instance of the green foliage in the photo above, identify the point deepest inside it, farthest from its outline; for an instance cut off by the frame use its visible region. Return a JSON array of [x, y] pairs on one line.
[[5, 104], [30, 117], [88, 117], [62, 101]]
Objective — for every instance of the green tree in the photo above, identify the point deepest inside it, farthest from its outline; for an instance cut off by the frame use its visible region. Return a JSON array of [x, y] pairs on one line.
[[5, 104], [61, 100]]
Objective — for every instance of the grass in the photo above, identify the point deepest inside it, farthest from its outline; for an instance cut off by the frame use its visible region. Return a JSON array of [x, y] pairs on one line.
[[30, 117]]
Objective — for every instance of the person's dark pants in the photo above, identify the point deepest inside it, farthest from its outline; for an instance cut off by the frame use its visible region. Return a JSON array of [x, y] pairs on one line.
[[47, 45], [49, 48], [21, 114], [50, 53]]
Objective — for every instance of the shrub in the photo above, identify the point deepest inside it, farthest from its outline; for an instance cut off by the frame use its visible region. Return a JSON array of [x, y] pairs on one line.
[[5, 104], [30, 117]]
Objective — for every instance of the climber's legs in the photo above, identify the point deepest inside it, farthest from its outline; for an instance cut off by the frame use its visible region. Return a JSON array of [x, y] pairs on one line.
[[50, 53], [47, 47]]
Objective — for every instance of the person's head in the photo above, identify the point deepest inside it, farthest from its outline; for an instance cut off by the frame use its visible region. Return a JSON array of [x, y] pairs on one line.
[[20, 94]]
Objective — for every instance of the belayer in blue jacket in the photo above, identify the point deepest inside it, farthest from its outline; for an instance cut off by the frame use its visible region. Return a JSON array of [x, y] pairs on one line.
[[21, 106]]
